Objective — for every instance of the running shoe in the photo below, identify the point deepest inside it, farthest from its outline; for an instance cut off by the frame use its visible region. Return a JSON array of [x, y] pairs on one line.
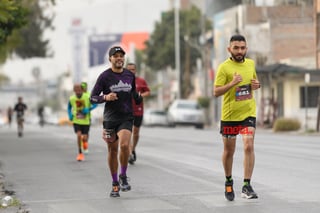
[[80, 157], [229, 193], [247, 192], [115, 190], [124, 185], [85, 147], [131, 159]]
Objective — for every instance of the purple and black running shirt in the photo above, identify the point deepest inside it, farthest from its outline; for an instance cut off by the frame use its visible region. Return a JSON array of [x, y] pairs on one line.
[[123, 84]]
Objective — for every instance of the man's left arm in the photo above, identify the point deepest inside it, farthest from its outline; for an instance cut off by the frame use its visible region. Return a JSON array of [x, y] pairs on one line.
[[146, 90], [255, 84]]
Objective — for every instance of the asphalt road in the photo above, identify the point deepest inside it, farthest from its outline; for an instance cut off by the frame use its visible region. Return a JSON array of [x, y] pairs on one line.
[[178, 170]]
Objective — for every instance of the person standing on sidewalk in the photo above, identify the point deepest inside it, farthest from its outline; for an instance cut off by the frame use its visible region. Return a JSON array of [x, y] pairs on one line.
[[236, 81], [116, 87], [143, 89], [79, 108]]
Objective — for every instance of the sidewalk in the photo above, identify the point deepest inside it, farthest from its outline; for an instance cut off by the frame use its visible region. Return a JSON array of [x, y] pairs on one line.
[[4, 192], [3, 184]]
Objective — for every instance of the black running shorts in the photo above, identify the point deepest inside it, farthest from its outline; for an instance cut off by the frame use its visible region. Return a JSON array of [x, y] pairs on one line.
[[84, 129], [137, 121], [233, 128]]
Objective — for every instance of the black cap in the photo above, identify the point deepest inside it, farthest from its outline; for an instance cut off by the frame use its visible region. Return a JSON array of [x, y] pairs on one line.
[[116, 49]]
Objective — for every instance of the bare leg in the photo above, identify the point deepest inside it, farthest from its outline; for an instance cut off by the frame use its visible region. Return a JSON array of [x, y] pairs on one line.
[[79, 137], [135, 137], [124, 141], [229, 145], [113, 157], [249, 156]]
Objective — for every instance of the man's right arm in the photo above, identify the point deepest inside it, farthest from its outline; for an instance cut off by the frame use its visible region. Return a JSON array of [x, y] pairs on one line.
[[96, 97], [70, 115], [221, 90]]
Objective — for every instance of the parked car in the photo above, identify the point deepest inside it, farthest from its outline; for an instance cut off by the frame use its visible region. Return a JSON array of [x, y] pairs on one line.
[[2, 121], [186, 112], [154, 117]]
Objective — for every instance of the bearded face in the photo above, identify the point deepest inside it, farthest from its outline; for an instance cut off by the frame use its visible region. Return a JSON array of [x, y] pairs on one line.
[[238, 50], [117, 60], [238, 57]]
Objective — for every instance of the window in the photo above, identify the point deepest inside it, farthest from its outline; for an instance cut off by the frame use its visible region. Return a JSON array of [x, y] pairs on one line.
[[313, 93]]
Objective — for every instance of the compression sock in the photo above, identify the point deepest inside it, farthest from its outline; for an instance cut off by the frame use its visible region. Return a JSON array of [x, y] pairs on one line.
[[115, 177], [229, 178], [246, 182], [123, 170]]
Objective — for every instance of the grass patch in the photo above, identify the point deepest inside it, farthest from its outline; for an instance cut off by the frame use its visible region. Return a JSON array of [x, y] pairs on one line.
[[15, 203]]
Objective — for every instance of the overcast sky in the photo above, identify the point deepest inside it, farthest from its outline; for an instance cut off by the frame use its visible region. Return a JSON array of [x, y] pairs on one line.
[[99, 16]]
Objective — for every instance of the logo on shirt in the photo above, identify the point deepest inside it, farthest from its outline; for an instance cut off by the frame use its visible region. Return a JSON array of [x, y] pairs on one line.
[[243, 92], [121, 87]]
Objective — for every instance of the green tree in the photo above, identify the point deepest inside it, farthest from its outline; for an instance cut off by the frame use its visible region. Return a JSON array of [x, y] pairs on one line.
[[12, 17], [32, 42], [160, 51], [22, 25]]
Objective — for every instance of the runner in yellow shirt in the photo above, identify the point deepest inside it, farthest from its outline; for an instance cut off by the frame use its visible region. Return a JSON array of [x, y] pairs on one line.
[[79, 108], [236, 80]]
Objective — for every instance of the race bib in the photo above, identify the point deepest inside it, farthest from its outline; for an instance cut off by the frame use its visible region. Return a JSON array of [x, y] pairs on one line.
[[243, 92], [109, 135], [79, 115]]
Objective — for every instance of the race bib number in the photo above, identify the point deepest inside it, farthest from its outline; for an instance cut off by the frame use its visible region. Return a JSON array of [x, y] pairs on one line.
[[243, 92], [79, 115]]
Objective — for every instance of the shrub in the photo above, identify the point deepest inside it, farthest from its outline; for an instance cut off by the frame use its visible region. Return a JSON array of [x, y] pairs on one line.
[[204, 102], [286, 124]]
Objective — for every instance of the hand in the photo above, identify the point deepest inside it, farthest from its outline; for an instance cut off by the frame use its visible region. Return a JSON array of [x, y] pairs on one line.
[[236, 78], [255, 84], [85, 111], [111, 96], [93, 106], [137, 97]]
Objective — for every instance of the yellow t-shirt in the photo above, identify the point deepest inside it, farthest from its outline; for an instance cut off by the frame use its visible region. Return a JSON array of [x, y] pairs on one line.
[[78, 104], [238, 102]]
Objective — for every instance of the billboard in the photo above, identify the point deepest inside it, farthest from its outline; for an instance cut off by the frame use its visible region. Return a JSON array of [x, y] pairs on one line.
[[99, 45]]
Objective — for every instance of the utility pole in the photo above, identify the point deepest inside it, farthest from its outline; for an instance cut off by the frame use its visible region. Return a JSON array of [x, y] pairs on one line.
[[317, 30], [177, 46], [307, 81]]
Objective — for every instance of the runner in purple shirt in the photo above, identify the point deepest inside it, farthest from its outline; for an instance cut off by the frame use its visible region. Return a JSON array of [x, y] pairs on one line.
[[115, 87]]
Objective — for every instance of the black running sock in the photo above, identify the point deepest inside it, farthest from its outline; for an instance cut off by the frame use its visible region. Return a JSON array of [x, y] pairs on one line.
[[229, 178], [246, 182]]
